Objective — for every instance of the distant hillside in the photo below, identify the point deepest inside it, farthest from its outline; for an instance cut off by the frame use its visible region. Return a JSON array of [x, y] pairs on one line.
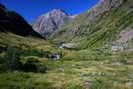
[[101, 25], [51, 22], [11, 21]]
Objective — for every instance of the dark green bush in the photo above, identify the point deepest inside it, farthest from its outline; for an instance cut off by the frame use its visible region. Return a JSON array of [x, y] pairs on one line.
[[32, 64]]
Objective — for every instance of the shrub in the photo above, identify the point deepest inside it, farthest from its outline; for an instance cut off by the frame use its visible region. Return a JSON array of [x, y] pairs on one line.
[[32, 64]]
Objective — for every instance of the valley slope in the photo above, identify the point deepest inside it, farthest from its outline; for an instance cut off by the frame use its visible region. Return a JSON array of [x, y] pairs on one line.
[[99, 26]]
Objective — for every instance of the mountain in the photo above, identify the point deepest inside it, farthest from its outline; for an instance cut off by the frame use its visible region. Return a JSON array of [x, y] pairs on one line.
[[101, 25], [11, 21], [85, 56], [51, 21]]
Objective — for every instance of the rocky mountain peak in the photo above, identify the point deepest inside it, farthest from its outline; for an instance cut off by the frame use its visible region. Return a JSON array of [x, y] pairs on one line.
[[51, 21]]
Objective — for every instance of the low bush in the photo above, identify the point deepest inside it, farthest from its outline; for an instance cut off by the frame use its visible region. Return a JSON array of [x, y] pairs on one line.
[[32, 64]]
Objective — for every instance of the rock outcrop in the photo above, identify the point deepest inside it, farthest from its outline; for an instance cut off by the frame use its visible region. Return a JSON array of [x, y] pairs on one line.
[[50, 22]]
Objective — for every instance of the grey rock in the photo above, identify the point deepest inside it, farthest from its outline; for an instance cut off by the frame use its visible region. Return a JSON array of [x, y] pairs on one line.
[[130, 76], [129, 84], [116, 83], [98, 73], [67, 45], [84, 75], [61, 68], [117, 63], [54, 57], [102, 74]]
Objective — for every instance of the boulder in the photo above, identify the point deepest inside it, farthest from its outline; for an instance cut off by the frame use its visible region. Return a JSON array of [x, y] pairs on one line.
[[54, 57]]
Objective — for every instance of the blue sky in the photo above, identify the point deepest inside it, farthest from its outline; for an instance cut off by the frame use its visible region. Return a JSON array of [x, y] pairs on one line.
[[31, 9]]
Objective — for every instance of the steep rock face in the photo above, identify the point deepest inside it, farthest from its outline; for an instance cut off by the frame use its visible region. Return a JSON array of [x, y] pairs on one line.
[[100, 25], [50, 22], [11, 21]]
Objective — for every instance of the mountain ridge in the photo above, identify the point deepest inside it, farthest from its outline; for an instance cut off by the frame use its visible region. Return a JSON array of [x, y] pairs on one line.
[[10, 21]]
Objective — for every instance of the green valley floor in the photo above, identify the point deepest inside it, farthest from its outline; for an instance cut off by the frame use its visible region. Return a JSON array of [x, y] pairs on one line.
[[81, 69]]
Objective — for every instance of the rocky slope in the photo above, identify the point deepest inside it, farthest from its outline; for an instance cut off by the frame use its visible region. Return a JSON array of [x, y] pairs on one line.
[[50, 22], [99, 26], [11, 21]]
